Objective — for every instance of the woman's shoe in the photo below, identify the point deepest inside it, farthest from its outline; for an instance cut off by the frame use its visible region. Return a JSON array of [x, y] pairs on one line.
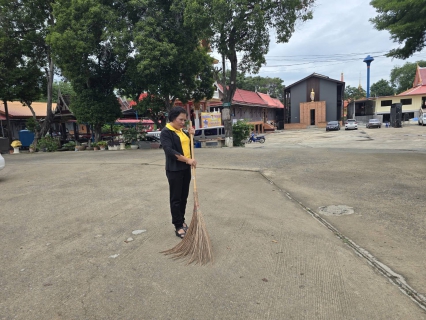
[[180, 235], [185, 227]]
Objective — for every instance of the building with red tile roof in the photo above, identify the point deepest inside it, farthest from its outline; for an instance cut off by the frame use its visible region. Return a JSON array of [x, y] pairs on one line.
[[19, 111], [412, 100], [255, 107], [419, 83], [273, 102]]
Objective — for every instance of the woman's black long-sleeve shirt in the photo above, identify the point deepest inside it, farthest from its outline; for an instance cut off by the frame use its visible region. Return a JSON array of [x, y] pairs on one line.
[[172, 146]]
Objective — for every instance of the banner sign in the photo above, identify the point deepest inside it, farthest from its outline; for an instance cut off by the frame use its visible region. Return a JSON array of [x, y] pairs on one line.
[[209, 119]]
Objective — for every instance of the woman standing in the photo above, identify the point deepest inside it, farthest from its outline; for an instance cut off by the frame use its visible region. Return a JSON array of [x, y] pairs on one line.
[[177, 148]]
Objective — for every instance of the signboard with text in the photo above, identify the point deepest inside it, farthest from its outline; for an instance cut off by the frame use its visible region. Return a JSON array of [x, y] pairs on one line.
[[211, 119]]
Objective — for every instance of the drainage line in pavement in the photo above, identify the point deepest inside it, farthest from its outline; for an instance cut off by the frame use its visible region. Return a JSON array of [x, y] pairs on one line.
[[392, 276]]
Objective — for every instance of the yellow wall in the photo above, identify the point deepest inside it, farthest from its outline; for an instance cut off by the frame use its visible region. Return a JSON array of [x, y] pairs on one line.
[[415, 105]]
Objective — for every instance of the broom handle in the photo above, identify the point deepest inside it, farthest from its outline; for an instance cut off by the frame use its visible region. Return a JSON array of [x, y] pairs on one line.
[[192, 157]]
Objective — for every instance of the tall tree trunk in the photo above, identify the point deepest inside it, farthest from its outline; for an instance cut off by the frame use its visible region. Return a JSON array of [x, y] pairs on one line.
[[98, 131], [35, 120], [228, 92], [49, 114], [9, 128]]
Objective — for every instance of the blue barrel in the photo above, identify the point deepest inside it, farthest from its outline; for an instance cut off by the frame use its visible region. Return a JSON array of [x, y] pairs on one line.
[[197, 144], [26, 137]]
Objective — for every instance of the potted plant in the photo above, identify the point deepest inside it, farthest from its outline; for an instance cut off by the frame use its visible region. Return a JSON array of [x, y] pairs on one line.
[[80, 147], [102, 145], [113, 145], [122, 144], [95, 146], [15, 145], [31, 148]]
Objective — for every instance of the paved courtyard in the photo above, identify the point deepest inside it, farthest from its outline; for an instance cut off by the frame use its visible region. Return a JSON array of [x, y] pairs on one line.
[[309, 225]]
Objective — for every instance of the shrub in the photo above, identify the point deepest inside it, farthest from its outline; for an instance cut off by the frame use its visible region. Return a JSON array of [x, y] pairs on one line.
[[32, 125], [106, 128], [241, 131], [70, 145], [48, 143], [130, 135]]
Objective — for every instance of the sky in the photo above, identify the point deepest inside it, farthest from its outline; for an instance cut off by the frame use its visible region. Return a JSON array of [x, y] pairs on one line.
[[336, 40]]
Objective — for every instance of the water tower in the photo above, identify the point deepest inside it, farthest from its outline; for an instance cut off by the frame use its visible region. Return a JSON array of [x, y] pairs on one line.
[[368, 61]]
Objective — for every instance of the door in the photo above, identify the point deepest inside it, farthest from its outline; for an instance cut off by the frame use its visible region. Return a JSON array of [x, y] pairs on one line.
[[312, 117]]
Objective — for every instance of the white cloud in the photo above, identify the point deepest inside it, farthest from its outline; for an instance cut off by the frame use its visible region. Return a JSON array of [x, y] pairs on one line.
[[340, 30]]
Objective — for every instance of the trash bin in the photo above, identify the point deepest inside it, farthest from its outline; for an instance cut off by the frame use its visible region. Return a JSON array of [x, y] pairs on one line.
[[197, 144], [26, 137]]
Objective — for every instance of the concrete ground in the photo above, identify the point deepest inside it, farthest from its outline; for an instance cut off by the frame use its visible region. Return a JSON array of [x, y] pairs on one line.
[[65, 218]]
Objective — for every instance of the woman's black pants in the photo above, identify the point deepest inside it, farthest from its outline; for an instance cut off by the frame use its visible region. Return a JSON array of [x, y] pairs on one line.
[[179, 189]]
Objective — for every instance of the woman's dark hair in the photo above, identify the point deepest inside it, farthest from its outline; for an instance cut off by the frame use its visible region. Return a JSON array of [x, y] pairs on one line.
[[175, 112]]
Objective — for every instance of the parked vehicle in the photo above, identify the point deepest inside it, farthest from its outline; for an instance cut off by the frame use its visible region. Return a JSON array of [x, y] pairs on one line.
[[422, 117], [254, 138], [332, 125], [374, 123], [351, 124], [2, 162]]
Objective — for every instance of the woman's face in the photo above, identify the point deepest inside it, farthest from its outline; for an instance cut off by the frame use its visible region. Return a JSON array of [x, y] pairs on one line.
[[179, 122]]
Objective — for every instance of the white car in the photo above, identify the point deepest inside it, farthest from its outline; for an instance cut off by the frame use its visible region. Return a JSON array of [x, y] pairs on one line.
[[422, 119], [2, 163], [351, 124]]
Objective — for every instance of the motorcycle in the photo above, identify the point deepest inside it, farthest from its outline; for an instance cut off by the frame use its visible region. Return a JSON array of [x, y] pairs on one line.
[[254, 138]]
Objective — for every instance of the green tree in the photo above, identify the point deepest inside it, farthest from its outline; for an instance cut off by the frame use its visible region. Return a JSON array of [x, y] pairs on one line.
[[354, 93], [20, 75], [169, 63], [381, 88], [243, 26], [402, 78], [31, 21], [404, 19], [93, 106], [100, 34], [65, 87], [272, 86], [10, 58]]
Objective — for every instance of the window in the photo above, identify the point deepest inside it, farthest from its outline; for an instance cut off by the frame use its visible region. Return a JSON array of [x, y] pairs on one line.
[[210, 132], [386, 103], [406, 102]]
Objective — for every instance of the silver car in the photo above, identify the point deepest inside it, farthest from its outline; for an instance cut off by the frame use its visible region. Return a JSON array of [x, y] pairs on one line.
[[2, 163], [374, 123], [351, 124]]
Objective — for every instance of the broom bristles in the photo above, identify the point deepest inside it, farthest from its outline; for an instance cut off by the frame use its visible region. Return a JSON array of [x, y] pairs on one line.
[[196, 244]]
